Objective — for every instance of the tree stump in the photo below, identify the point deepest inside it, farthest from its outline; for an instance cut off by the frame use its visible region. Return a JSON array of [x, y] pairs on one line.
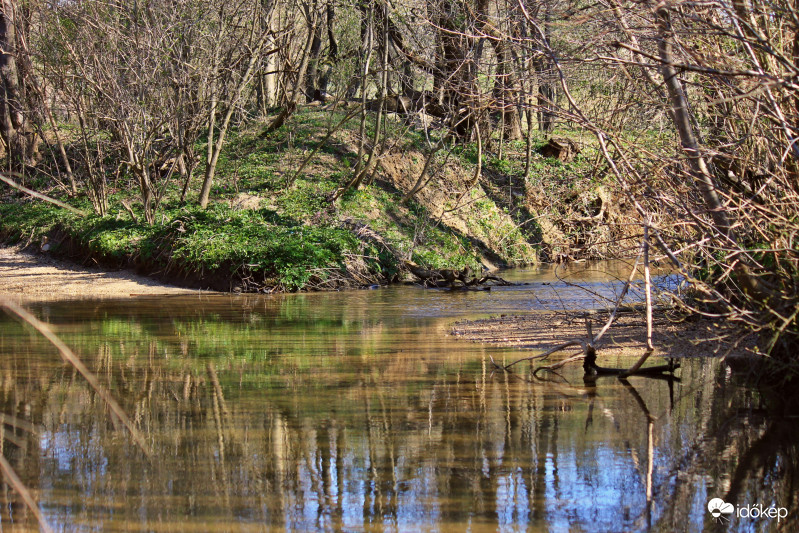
[[561, 149]]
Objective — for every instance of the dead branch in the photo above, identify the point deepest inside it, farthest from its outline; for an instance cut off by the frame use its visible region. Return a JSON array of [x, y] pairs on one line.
[[40, 196], [588, 346], [451, 278]]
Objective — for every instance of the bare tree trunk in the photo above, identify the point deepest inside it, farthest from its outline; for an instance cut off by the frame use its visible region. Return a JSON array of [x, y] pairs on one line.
[[682, 121], [312, 81], [332, 53], [293, 94], [505, 77], [215, 150], [367, 49], [546, 89], [454, 75], [528, 139], [20, 140], [751, 284], [382, 109], [62, 152], [270, 81]]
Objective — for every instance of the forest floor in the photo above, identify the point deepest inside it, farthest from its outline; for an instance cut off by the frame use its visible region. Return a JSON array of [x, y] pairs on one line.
[[27, 276], [276, 223]]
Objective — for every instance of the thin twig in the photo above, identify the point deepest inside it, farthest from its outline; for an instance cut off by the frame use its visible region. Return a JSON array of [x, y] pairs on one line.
[[619, 300], [648, 288]]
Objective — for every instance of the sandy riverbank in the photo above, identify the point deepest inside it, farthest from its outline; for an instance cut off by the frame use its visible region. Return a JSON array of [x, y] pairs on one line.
[[672, 336], [26, 276]]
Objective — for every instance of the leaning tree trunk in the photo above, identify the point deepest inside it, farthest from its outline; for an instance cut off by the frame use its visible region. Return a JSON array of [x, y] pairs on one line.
[[753, 288]]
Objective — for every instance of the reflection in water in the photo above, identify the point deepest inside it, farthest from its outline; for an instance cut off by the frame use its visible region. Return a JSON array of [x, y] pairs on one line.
[[356, 412]]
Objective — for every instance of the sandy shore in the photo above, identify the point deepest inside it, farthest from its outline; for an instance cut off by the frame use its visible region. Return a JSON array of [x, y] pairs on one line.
[[671, 337], [25, 276]]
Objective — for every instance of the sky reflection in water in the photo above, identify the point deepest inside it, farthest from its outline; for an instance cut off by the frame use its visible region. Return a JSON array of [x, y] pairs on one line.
[[356, 412]]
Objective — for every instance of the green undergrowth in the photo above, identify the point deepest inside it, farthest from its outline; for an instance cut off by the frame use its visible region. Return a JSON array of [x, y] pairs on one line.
[[272, 226], [410, 229], [259, 246]]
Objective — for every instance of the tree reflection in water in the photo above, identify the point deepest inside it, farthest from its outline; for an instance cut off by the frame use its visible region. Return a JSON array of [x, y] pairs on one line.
[[314, 415]]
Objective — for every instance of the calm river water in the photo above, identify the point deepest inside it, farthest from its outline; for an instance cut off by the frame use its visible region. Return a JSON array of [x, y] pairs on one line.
[[356, 411]]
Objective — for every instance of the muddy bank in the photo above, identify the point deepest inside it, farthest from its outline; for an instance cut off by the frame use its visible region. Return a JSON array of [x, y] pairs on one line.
[[27, 276], [673, 336]]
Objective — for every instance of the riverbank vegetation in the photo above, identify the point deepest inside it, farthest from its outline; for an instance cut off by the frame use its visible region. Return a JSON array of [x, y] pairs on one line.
[[309, 143]]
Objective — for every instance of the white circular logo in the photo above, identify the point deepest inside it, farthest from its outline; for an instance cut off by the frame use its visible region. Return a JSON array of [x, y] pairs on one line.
[[718, 507]]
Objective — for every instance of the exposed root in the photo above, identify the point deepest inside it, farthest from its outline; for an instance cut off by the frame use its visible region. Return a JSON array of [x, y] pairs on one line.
[[452, 279]]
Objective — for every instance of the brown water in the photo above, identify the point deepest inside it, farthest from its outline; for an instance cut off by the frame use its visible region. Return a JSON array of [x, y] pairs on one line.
[[357, 412]]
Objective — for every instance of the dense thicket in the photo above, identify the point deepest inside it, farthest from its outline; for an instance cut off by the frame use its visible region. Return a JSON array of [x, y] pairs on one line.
[[693, 106]]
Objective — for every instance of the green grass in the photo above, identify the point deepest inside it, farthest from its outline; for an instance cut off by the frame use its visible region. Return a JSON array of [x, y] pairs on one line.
[[296, 237], [219, 239]]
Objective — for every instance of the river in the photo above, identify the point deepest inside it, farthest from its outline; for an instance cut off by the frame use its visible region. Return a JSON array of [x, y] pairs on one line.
[[357, 411]]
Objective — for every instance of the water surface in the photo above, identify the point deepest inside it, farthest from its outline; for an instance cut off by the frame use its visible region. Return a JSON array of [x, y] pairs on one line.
[[357, 411]]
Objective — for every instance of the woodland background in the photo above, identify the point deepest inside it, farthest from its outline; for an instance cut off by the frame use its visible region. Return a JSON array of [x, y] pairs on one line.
[[358, 119]]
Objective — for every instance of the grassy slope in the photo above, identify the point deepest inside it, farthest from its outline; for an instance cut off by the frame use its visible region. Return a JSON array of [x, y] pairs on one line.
[[269, 228]]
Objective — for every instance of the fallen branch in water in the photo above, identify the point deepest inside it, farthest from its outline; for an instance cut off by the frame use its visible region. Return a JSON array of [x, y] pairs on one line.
[[451, 278], [543, 355], [588, 345]]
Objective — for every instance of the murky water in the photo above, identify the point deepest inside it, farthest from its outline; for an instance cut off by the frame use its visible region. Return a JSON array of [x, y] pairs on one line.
[[357, 412]]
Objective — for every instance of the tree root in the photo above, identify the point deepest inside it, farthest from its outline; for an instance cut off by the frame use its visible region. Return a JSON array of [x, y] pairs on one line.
[[453, 279]]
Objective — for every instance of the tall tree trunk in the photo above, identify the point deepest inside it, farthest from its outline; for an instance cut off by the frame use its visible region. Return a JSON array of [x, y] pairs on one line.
[[20, 139], [455, 74], [752, 286], [682, 122], [359, 84], [507, 98], [505, 90], [332, 53], [546, 89], [312, 79], [291, 95]]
